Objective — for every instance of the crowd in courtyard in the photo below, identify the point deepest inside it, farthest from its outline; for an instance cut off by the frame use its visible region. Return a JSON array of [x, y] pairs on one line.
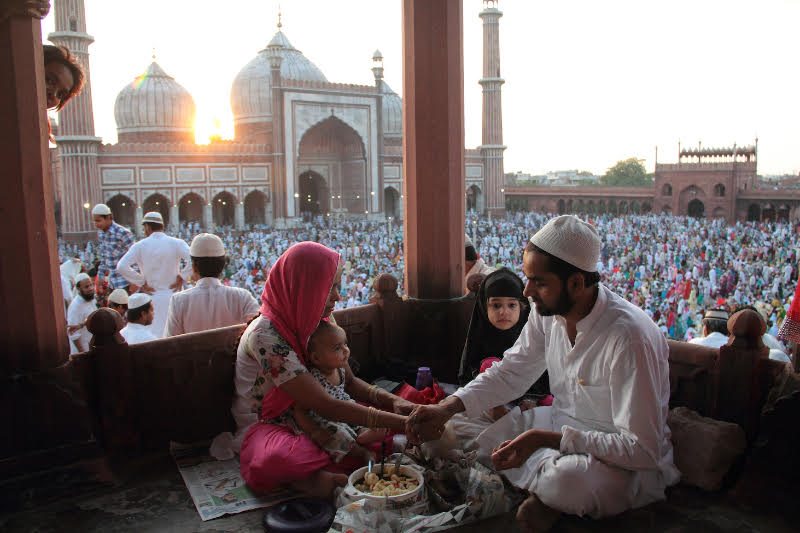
[[672, 267]]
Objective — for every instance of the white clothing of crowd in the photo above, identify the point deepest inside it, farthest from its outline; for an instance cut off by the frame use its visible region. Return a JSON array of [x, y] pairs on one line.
[[671, 267]]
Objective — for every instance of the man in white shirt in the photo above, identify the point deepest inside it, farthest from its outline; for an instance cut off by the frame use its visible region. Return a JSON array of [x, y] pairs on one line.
[[80, 308], [158, 258], [140, 315], [473, 264], [604, 445], [209, 304], [715, 329]]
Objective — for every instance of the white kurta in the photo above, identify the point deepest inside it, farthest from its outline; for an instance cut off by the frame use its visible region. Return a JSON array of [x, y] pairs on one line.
[[611, 394], [135, 333], [480, 267], [79, 310], [158, 258], [207, 305], [715, 339]]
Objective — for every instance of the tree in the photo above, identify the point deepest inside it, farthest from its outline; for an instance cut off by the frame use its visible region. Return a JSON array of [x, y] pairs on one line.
[[627, 173]]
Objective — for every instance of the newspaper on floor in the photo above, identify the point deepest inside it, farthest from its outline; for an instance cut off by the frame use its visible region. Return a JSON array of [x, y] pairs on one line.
[[217, 487]]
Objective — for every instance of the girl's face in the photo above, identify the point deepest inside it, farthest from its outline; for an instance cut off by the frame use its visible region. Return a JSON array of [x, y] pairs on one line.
[[503, 311]]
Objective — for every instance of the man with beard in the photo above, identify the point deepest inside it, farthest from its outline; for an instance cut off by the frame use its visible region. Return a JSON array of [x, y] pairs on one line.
[[80, 308], [604, 445]]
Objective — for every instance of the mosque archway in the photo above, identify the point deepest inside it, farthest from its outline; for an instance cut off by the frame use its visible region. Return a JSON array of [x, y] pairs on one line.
[[635, 208], [335, 145], [562, 207], [612, 207], [391, 202], [696, 209], [783, 213], [754, 213], [190, 208], [601, 207], [623, 207], [646, 208], [223, 209], [157, 202], [123, 209], [768, 212], [666, 190], [255, 208], [473, 198], [313, 194]]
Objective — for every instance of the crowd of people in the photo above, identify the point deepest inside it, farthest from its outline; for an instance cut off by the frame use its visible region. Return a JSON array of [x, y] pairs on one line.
[[672, 267]]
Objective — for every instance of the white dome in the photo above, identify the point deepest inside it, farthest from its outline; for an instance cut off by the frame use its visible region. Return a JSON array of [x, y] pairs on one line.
[[392, 111], [154, 102], [250, 95]]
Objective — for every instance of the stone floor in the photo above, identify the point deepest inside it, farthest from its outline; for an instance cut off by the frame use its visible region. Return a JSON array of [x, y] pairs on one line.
[[153, 498]]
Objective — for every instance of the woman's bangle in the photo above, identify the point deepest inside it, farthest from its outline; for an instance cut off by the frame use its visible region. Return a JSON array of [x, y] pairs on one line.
[[372, 418], [373, 394]]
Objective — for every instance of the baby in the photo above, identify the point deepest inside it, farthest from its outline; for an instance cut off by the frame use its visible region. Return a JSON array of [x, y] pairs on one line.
[[327, 358]]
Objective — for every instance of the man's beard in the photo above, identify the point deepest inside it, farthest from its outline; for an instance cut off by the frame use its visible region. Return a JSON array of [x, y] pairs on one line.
[[563, 306], [88, 297]]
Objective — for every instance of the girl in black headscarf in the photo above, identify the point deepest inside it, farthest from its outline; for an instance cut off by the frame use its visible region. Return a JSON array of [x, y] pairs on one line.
[[498, 317]]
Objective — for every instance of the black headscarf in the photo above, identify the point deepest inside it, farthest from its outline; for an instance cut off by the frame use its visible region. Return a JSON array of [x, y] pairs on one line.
[[483, 339]]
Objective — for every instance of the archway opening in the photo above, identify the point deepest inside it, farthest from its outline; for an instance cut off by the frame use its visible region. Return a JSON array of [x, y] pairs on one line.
[[255, 208], [313, 195], [473, 198], [667, 210], [157, 202], [768, 212], [339, 148], [190, 208], [754, 213], [223, 209], [123, 210], [391, 202], [696, 209], [562, 207]]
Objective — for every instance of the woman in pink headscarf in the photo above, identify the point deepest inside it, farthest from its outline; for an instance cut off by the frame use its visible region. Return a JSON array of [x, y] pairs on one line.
[[271, 377]]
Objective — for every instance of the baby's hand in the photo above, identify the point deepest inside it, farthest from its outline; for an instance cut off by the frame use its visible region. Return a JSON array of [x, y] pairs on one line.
[[368, 436]]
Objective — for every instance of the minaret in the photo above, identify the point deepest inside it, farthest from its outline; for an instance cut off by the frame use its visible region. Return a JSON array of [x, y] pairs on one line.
[[492, 142], [77, 144]]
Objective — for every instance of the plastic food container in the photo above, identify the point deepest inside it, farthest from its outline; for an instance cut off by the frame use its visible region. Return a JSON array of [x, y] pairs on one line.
[[392, 502]]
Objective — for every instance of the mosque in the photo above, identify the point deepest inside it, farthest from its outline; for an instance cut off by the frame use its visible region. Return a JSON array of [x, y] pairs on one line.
[[302, 143]]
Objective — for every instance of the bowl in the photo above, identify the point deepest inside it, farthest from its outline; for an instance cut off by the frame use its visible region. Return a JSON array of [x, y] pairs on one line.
[[406, 499]]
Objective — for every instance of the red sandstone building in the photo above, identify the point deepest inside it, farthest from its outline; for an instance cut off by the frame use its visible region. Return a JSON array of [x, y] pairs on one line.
[[704, 183], [302, 143]]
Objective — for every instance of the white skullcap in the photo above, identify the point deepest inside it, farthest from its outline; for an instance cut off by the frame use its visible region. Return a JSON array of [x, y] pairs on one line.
[[80, 277], [154, 217], [118, 296], [138, 299], [207, 245], [468, 241], [717, 314], [572, 240], [101, 209]]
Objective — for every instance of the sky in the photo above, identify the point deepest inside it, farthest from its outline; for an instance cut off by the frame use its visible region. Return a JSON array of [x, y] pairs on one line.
[[587, 83]]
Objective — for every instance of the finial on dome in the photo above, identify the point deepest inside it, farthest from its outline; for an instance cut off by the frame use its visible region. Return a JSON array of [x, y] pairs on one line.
[[153, 56], [377, 56], [280, 24]]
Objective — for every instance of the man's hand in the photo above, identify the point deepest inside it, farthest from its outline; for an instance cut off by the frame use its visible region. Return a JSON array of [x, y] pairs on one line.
[[74, 328], [514, 453], [178, 285], [426, 422], [147, 289]]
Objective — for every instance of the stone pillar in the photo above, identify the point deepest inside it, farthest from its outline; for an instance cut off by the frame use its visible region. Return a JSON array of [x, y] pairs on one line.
[[208, 219], [492, 147], [433, 151], [174, 222], [239, 216], [137, 221], [268, 213]]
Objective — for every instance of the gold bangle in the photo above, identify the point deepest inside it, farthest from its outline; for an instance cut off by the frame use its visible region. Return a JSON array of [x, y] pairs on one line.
[[373, 394], [372, 418]]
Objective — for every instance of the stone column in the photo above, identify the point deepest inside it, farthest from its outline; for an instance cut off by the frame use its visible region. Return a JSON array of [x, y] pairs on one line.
[[174, 222], [268, 213], [433, 151], [137, 221], [239, 216], [208, 219]]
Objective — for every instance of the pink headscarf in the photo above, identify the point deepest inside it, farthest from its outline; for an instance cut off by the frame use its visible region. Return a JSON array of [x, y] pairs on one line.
[[293, 300]]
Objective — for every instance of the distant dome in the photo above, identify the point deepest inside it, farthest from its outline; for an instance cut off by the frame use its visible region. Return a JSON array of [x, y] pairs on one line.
[[250, 95], [392, 111], [154, 107]]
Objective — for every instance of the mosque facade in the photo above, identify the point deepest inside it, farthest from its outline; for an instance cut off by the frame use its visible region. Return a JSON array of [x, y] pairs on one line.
[[302, 143]]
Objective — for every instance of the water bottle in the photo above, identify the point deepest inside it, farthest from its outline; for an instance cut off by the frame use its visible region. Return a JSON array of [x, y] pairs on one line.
[[424, 377]]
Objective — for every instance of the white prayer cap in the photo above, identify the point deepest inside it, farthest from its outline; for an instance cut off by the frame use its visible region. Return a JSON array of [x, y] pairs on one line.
[[572, 240], [154, 217], [118, 296], [467, 241], [717, 314], [207, 245], [101, 209], [80, 277], [138, 299]]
